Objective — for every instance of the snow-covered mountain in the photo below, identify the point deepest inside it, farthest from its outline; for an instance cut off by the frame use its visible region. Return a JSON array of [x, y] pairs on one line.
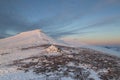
[[29, 38], [33, 55]]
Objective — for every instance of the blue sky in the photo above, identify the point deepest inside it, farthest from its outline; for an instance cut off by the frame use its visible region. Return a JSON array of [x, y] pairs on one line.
[[89, 21]]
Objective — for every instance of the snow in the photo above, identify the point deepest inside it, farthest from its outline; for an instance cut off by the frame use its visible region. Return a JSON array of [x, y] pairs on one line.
[[104, 50], [18, 54], [29, 38], [7, 70], [97, 48], [93, 74], [11, 49], [51, 49], [21, 76]]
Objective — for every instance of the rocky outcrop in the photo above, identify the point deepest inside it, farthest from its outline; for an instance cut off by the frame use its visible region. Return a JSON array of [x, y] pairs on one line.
[[52, 49]]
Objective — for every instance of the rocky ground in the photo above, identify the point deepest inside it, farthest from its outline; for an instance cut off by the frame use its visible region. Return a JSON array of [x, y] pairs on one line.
[[75, 63]]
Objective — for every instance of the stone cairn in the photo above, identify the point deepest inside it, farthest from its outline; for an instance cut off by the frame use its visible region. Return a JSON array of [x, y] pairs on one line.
[[52, 49]]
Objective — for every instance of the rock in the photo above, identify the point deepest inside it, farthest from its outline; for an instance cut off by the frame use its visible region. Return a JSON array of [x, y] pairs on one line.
[[52, 49]]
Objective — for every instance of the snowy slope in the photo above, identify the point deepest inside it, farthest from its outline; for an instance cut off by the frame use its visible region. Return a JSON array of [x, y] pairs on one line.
[[31, 50], [28, 38], [97, 48], [10, 48]]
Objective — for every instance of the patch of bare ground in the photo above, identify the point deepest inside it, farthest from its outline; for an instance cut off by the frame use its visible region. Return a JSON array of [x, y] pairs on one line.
[[59, 65], [2, 54]]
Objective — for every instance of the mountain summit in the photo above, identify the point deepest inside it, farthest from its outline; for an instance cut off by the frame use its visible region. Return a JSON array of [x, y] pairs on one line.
[[37, 31], [28, 38]]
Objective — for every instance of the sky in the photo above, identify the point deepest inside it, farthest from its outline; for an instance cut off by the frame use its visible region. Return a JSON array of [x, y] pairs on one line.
[[94, 22]]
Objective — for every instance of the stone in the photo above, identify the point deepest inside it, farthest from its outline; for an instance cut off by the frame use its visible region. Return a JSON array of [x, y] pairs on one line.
[[52, 49]]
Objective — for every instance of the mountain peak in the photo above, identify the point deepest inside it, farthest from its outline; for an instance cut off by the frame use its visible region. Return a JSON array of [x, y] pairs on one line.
[[28, 38], [36, 31]]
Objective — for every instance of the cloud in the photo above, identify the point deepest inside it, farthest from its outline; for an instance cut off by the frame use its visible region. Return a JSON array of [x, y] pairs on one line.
[[56, 25], [99, 23], [59, 35], [11, 19], [10, 23], [16, 22], [103, 4]]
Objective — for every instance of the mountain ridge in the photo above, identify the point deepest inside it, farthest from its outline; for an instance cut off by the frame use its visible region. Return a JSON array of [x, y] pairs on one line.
[[32, 37]]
